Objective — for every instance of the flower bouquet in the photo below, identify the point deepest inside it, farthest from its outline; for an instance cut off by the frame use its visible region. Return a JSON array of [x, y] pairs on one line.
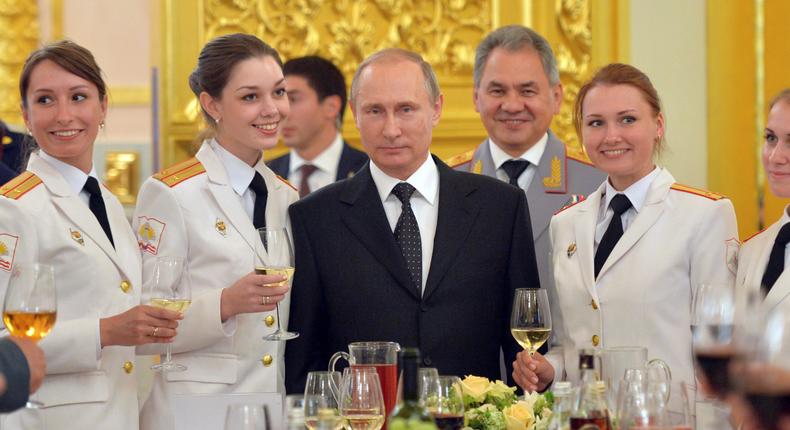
[[495, 406]]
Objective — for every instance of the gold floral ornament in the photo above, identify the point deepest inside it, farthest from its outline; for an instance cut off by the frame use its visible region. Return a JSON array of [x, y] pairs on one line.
[[555, 180]]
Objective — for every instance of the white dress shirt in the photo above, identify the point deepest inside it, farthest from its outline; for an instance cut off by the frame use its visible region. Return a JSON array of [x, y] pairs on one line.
[[532, 155], [636, 193], [326, 166], [240, 176], [424, 204]]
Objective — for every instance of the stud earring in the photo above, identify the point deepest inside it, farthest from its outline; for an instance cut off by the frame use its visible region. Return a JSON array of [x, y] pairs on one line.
[[102, 126], [216, 120]]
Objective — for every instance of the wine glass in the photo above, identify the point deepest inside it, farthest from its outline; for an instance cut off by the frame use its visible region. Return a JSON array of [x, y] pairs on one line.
[[447, 404], [427, 378], [247, 417], [274, 256], [30, 305], [361, 400], [326, 386], [712, 322], [530, 322], [293, 411], [172, 290]]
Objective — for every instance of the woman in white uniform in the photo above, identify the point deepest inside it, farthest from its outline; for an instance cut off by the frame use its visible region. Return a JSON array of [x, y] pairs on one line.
[[203, 210], [46, 215], [673, 238]]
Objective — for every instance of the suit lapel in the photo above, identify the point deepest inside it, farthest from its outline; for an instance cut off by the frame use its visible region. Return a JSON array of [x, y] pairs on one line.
[[365, 218], [345, 165], [456, 216], [226, 197], [654, 206], [537, 195], [584, 222]]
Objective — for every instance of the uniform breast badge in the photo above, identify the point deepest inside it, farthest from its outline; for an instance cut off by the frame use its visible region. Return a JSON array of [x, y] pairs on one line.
[[150, 234], [555, 180], [221, 228], [77, 237], [478, 167], [571, 249], [733, 247], [7, 251], [576, 198]]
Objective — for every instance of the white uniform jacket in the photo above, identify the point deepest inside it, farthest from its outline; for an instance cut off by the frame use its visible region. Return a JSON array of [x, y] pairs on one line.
[[643, 293], [48, 223], [753, 261], [201, 219]]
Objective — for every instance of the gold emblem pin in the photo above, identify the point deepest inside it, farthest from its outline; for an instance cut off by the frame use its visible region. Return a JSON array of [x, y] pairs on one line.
[[571, 249], [220, 226], [77, 237]]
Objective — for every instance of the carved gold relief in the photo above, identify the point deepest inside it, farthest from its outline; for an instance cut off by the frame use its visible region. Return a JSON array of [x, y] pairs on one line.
[[18, 19], [122, 173], [573, 60], [445, 32]]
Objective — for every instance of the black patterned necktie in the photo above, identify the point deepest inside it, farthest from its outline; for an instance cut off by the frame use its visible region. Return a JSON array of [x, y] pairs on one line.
[[258, 185], [514, 169], [407, 233], [307, 170], [776, 263], [96, 204], [619, 204]]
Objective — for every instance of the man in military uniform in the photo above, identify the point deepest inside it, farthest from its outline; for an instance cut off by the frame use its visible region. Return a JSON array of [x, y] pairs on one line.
[[319, 155], [517, 92]]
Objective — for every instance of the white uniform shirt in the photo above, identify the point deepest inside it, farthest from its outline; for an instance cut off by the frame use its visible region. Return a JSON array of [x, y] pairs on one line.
[[532, 155]]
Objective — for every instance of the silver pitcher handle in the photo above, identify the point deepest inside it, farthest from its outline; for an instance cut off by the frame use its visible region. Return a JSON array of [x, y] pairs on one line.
[[337, 356]]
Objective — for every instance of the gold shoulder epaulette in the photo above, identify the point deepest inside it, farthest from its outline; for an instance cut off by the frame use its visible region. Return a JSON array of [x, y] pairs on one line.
[[577, 154], [20, 185], [570, 205], [461, 158], [180, 172], [747, 239], [704, 193], [286, 181]]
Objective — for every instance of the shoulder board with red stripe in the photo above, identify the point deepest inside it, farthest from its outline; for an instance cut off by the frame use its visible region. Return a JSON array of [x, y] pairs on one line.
[[180, 172], [461, 158], [20, 185], [747, 239], [570, 205], [286, 181], [704, 193], [577, 154]]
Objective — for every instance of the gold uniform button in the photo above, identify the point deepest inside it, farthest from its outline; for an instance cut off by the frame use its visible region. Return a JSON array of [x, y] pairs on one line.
[[269, 321], [593, 304], [126, 286], [267, 360], [595, 340], [128, 367]]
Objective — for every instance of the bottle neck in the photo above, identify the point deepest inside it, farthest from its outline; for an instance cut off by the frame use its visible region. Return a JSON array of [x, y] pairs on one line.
[[410, 384]]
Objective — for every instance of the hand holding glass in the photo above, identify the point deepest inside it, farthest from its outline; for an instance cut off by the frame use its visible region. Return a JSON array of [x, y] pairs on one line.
[[530, 322], [274, 256], [172, 290], [30, 306]]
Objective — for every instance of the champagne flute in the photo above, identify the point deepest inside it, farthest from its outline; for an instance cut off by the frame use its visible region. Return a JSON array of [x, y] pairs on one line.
[[530, 322], [361, 400], [274, 256], [30, 305], [712, 320], [247, 417], [171, 290], [325, 386], [447, 406]]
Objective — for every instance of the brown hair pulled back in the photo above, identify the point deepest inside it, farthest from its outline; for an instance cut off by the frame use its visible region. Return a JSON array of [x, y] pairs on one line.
[[783, 96], [216, 63], [620, 74]]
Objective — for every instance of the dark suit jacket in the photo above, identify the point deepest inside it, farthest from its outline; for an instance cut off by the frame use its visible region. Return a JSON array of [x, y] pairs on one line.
[[10, 154], [13, 365], [351, 160], [352, 283]]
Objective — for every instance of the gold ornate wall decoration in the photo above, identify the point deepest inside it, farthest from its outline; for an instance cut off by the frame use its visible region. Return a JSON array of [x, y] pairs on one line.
[[445, 32], [18, 19], [122, 175], [574, 53]]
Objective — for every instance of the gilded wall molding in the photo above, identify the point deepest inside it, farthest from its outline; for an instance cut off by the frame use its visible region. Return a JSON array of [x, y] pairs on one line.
[[19, 21], [574, 54]]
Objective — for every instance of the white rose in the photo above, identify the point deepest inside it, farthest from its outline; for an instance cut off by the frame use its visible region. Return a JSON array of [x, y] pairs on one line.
[[520, 416], [500, 389], [476, 387]]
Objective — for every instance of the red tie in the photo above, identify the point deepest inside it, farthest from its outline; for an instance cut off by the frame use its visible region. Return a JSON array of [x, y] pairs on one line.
[[307, 170]]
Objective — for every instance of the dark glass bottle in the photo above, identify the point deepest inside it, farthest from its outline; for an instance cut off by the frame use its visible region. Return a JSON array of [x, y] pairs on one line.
[[409, 414]]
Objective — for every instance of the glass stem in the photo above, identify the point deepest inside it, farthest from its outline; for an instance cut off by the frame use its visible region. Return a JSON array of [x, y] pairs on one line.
[[168, 355], [277, 308]]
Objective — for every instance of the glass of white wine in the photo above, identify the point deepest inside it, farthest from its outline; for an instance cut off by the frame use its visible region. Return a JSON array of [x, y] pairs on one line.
[[171, 289], [361, 400], [530, 322], [325, 385], [274, 255], [30, 305]]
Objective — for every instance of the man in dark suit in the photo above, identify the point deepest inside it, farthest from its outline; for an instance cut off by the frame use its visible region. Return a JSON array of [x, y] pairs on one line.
[[435, 269], [11, 144], [319, 155]]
